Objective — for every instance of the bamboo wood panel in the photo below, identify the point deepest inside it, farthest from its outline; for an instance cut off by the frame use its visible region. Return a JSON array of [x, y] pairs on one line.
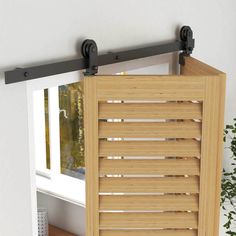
[[170, 220], [170, 186], [149, 185], [146, 88], [181, 148], [149, 130], [212, 158], [149, 202], [148, 232], [91, 151], [190, 166], [219, 135], [186, 110], [196, 67], [213, 120]]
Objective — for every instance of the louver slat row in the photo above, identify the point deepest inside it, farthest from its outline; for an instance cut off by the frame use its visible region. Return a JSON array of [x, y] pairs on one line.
[[149, 129], [149, 202], [180, 148], [186, 166], [185, 110], [149, 185], [158, 179], [148, 233], [174, 220]]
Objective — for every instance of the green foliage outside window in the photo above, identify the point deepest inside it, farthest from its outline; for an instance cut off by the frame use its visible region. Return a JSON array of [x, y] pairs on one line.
[[71, 127], [228, 185]]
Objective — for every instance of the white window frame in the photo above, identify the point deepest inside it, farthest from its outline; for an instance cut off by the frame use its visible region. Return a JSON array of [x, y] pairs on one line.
[[51, 182]]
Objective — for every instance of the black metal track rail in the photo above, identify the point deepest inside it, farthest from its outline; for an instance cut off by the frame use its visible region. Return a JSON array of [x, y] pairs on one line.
[[91, 60]]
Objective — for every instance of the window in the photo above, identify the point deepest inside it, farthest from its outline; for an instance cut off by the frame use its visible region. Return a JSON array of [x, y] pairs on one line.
[[59, 141], [59, 137], [71, 130]]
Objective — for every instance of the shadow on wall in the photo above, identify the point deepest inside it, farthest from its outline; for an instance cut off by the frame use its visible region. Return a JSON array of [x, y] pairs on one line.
[[63, 214]]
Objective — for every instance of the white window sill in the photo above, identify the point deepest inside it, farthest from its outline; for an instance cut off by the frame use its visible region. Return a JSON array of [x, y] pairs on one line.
[[63, 187]]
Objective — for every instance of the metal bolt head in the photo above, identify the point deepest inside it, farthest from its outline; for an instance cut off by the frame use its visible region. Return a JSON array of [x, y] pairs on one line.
[[26, 74]]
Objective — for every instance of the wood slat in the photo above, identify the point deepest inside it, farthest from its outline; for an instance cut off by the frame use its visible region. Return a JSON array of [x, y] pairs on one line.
[[181, 148], [149, 185], [186, 110], [148, 87], [149, 130], [148, 232], [170, 220], [190, 166], [149, 202]]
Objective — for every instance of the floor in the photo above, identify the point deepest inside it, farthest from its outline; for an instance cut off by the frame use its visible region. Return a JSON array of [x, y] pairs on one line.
[[54, 231]]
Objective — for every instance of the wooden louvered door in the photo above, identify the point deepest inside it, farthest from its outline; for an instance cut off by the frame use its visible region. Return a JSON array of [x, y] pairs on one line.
[[153, 153]]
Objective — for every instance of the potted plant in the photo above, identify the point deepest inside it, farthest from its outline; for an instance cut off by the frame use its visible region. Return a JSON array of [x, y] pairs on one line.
[[228, 184]]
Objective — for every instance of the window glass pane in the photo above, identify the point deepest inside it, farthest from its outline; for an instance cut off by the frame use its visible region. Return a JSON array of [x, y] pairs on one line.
[[47, 128], [71, 130]]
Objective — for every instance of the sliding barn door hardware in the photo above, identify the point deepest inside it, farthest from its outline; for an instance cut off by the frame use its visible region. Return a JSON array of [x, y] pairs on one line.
[[89, 51], [186, 36], [91, 60]]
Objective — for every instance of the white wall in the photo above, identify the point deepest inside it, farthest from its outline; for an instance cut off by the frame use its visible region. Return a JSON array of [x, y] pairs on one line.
[[17, 190], [35, 32], [63, 214]]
